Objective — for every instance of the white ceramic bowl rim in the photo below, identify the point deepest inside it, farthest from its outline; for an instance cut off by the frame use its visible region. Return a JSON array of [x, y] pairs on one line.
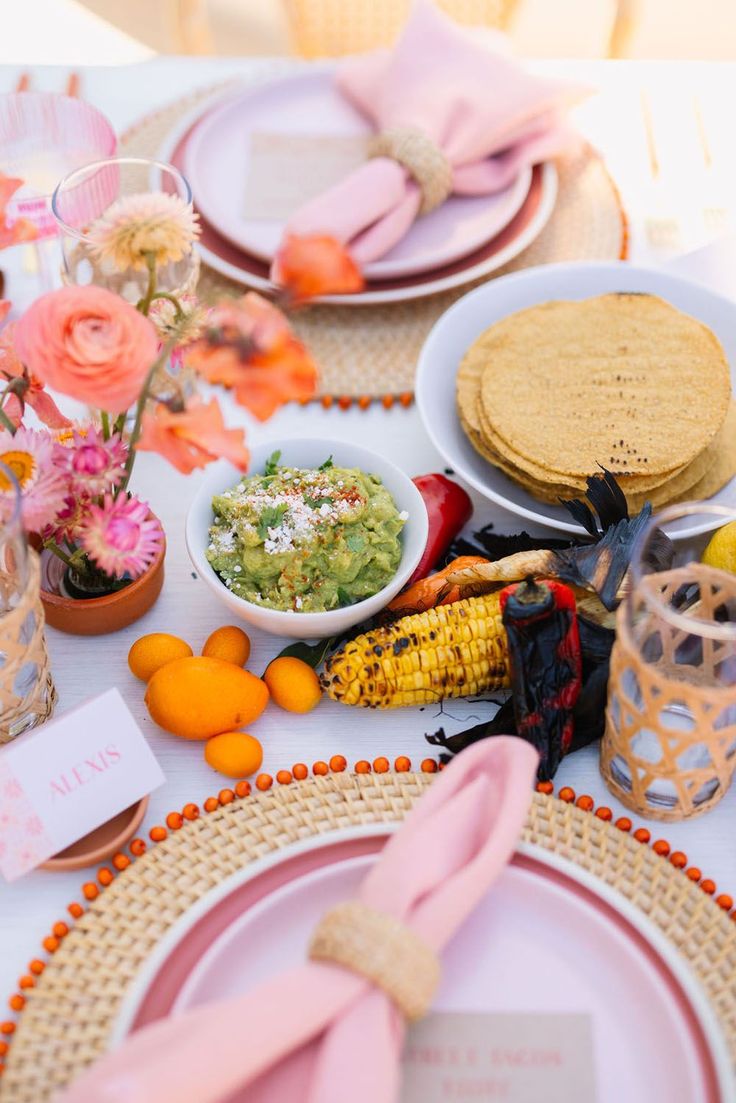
[[223, 475]]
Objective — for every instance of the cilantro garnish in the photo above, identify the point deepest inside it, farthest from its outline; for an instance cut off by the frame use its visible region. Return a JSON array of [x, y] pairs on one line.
[[344, 597], [328, 463], [272, 463], [315, 503], [270, 519], [355, 541]]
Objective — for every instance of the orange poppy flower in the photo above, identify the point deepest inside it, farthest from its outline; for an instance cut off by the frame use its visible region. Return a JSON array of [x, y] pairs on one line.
[[30, 391], [315, 265], [192, 437], [22, 229], [250, 347]]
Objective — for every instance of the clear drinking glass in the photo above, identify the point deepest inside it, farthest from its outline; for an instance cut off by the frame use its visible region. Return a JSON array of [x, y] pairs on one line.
[[27, 694], [84, 196], [669, 749]]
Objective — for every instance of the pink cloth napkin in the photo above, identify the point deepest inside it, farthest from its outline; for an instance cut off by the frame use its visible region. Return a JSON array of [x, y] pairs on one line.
[[319, 1033], [459, 86]]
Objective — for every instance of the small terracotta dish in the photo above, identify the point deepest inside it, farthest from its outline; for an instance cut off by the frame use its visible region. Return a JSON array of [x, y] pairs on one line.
[[98, 615], [101, 843]]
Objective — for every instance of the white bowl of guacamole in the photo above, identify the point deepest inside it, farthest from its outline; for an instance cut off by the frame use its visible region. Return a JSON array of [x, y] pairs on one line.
[[315, 538]]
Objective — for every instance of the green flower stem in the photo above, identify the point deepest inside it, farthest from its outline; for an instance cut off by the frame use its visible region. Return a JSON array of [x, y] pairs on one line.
[[56, 550], [105, 424], [171, 299], [6, 422], [144, 304], [142, 399]]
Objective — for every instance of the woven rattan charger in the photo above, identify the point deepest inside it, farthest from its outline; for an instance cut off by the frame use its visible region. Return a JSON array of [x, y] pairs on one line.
[[70, 1013], [371, 352]]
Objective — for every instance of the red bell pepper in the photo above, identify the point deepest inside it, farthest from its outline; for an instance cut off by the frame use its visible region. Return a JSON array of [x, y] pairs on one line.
[[449, 508]]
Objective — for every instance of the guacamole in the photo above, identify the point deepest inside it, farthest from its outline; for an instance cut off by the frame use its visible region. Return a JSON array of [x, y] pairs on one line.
[[306, 540]]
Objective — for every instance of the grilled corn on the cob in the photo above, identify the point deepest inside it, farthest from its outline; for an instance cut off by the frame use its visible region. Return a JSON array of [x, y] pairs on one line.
[[455, 650]]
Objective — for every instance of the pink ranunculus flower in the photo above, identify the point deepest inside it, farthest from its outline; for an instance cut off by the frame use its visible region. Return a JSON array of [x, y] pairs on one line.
[[88, 343]]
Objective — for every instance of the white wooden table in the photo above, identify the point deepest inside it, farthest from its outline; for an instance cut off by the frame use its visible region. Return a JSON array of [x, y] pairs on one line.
[[83, 667]]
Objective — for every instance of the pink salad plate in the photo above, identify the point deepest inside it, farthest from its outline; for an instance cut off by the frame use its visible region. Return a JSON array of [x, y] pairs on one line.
[[230, 260], [217, 164], [548, 938]]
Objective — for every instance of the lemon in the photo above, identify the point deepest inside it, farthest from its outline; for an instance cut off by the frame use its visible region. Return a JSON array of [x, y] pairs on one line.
[[721, 551]]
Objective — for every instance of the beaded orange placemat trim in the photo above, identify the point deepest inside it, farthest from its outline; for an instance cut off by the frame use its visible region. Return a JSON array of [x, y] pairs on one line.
[[299, 771]]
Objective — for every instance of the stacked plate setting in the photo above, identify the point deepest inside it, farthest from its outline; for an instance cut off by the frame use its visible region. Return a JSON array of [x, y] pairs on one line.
[[463, 239]]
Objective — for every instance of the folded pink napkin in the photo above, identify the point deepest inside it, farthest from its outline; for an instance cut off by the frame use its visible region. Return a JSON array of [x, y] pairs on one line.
[[320, 1033], [460, 88]]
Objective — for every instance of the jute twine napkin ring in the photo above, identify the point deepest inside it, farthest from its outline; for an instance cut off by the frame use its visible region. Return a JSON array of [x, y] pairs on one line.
[[419, 155], [381, 949]]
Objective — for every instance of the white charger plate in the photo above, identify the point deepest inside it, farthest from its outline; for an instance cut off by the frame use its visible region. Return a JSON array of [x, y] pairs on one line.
[[217, 161], [548, 938], [466, 319]]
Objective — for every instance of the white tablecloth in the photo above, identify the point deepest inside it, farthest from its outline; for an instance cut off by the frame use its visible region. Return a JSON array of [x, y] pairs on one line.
[[83, 667]]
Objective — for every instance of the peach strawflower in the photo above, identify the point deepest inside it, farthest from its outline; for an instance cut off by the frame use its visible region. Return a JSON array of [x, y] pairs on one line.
[[29, 390], [315, 265], [121, 536], [250, 347], [151, 224], [192, 437], [89, 344]]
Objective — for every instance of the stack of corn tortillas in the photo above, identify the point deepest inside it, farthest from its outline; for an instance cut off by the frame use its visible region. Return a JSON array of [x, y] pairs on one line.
[[623, 381]]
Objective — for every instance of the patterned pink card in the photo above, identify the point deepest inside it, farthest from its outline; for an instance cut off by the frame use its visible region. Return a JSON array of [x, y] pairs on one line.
[[62, 780]]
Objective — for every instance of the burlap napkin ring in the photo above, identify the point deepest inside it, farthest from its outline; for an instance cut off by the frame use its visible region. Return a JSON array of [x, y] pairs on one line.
[[381, 949], [419, 155]]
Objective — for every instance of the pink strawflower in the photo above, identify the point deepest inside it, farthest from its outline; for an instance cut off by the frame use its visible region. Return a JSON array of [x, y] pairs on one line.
[[69, 519], [30, 455], [93, 465], [121, 536]]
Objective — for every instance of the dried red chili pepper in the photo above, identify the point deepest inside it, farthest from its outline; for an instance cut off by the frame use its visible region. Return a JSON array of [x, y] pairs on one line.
[[449, 508], [545, 665]]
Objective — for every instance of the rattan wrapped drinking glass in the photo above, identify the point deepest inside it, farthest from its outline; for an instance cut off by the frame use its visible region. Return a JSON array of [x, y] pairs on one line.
[[669, 748], [27, 694]]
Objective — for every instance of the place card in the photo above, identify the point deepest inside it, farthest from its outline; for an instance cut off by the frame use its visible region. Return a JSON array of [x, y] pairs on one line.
[[523, 1057], [65, 778], [285, 170]]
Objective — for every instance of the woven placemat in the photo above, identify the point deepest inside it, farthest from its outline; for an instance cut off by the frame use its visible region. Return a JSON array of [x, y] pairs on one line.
[[69, 1015], [371, 352]]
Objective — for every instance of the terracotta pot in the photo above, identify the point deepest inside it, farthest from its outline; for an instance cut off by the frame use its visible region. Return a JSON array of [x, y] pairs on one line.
[[95, 616]]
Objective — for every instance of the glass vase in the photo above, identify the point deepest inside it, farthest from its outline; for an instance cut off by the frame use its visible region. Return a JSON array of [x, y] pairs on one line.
[[27, 694], [669, 748], [85, 195]]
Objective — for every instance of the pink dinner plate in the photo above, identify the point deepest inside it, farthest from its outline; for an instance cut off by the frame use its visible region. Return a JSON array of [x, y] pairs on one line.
[[229, 260], [217, 160], [548, 938]]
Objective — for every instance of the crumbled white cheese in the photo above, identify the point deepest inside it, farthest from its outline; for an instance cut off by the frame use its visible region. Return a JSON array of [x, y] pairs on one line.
[[404, 516]]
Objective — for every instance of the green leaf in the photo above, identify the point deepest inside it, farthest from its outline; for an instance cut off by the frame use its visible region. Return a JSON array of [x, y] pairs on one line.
[[355, 541], [315, 503], [310, 653], [344, 597], [328, 463], [272, 463], [271, 519]]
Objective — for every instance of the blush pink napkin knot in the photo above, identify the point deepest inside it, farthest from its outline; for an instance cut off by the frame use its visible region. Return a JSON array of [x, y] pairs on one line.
[[458, 87], [320, 1033]]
